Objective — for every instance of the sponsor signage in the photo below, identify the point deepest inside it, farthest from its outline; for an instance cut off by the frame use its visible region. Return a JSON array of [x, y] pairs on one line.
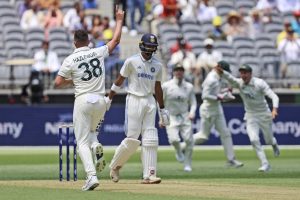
[[38, 125]]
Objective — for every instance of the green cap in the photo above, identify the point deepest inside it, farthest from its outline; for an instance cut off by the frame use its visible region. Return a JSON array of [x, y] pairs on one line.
[[224, 65], [178, 66], [245, 67]]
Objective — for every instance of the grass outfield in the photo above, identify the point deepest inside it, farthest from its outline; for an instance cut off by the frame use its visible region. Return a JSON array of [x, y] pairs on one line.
[[32, 173]]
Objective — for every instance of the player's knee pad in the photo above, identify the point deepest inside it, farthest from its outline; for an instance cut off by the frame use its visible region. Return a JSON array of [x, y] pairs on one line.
[[199, 138], [150, 138], [131, 144], [124, 151]]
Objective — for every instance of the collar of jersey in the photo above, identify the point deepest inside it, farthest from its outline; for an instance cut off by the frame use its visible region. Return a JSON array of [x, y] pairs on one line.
[[251, 82], [81, 49], [150, 60], [217, 75]]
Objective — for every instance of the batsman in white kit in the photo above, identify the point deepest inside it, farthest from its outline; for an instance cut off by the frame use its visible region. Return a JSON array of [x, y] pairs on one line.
[[258, 115], [180, 101], [212, 114], [84, 68], [144, 74]]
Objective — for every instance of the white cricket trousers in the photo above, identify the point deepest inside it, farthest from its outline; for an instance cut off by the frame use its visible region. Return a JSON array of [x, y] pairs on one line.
[[140, 120], [256, 122], [139, 115], [215, 117], [181, 124], [87, 114]]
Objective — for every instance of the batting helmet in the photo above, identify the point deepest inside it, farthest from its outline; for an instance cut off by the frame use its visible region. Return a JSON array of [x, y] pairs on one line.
[[148, 43]]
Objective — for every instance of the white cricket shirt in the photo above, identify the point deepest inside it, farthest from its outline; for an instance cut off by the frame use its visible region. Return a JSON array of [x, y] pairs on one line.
[[253, 94], [142, 74], [179, 99], [85, 66]]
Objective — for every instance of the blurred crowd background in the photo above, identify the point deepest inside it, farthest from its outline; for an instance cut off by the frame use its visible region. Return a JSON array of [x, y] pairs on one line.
[[194, 33]]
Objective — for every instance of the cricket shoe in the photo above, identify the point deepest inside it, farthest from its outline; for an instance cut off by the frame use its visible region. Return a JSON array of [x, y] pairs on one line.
[[99, 158], [276, 150], [90, 183], [179, 156], [264, 168], [187, 168], [114, 174], [151, 180], [234, 163]]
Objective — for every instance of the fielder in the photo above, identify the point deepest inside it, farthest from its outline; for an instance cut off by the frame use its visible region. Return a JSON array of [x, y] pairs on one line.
[[144, 73], [258, 115], [211, 112], [180, 101], [85, 69]]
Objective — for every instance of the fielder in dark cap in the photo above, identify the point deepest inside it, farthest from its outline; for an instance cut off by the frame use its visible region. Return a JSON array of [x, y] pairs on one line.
[[178, 67], [258, 114], [212, 114], [246, 68], [224, 65]]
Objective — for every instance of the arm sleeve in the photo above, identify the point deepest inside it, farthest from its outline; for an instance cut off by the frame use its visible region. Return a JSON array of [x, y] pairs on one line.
[[193, 102], [65, 70], [102, 51], [269, 93], [125, 70], [159, 75], [206, 95], [233, 81]]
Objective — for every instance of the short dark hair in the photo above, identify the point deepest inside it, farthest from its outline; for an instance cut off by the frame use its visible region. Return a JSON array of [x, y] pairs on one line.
[[81, 36]]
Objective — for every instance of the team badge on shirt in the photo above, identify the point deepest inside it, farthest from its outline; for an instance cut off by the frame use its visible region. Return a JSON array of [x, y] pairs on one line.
[[152, 69]]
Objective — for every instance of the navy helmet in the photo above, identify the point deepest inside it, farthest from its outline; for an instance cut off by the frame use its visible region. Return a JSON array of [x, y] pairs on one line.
[[148, 43]]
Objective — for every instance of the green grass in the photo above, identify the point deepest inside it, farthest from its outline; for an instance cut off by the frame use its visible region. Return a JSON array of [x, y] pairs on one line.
[[208, 170]]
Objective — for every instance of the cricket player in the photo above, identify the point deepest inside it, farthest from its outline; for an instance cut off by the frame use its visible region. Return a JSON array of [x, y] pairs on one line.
[[144, 74], [258, 115], [85, 69], [211, 112], [180, 101]]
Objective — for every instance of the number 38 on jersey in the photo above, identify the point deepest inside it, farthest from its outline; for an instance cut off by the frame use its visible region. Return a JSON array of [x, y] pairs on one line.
[[92, 69]]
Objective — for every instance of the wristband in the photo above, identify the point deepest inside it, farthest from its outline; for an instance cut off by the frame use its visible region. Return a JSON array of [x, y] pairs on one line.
[[115, 88]]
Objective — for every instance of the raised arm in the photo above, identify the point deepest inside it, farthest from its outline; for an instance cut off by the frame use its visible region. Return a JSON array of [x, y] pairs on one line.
[[117, 32], [233, 81]]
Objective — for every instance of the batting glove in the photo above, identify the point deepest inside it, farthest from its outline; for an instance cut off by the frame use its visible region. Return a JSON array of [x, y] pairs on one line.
[[107, 102], [164, 117]]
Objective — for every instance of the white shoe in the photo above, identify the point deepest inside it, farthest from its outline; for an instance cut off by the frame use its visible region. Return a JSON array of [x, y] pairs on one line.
[[99, 158], [90, 183], [179, 156], [114, 174], [276, 150], [187, 168], [264, 168], [151, 180], [133, 33], [234, 163]]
